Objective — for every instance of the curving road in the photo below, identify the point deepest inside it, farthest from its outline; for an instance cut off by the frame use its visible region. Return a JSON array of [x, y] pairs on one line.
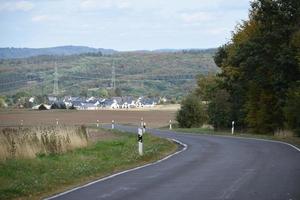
[[211, 168]]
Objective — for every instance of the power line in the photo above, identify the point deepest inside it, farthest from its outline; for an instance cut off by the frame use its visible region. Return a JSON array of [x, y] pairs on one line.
[[55, 81]]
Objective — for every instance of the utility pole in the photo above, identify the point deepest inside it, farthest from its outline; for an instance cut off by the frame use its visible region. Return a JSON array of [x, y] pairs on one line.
[[113, 76], [55, 81]]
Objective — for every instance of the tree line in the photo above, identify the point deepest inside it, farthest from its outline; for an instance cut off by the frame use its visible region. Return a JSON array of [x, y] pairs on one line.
[[259, 85]]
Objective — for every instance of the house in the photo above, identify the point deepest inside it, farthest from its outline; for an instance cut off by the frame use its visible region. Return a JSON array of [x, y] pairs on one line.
[[148, 102], [68, 104], [102, 103], [118, 100], [42, 107], [111, 103], [89, 106], [58, 105], [139, 103], [91, 99], [31, 99], [128, 102], [77, 105], [52, 98], [163, 100]]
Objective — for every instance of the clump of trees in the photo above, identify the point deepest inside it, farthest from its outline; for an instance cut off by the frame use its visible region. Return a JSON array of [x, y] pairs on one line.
[[191, 113], [259, 86]]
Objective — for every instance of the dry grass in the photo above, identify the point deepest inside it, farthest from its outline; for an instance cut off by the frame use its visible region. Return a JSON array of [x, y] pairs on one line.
[[30, 142]]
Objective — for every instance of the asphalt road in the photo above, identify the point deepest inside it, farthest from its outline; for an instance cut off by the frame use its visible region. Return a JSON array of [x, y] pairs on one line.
[[211, 168]]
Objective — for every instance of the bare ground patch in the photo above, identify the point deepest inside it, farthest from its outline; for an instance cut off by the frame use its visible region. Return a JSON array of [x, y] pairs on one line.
[[153, 118]]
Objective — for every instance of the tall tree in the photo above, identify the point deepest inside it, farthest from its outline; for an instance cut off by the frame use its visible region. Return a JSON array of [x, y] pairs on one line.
[[261, 63]]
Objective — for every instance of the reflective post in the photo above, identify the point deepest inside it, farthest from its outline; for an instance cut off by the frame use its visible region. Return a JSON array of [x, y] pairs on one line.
[[140, 141], [144, 127], [142, 122], [112, 124]]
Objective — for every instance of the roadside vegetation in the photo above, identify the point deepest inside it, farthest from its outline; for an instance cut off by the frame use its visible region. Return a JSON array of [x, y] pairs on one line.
[[259, 84], [107, 152], [22, 142]]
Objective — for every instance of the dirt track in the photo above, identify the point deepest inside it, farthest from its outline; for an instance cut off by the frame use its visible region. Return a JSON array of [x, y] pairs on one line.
[[153, 118]]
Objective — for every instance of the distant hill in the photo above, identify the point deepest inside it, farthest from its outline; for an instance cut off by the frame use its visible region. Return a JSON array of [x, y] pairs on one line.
[[210, 50], [9, 53], [164, 73]]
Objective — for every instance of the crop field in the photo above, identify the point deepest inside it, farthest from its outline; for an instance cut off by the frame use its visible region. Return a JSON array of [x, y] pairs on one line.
[[153, 118]]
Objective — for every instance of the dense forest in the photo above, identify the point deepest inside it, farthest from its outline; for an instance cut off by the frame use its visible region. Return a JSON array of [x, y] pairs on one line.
[[259, 83]]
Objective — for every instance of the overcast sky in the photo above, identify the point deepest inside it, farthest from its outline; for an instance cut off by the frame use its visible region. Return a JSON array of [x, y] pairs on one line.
[[120, 24]]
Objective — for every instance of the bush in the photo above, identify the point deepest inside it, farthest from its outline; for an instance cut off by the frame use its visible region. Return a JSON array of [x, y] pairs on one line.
[[192, 113]]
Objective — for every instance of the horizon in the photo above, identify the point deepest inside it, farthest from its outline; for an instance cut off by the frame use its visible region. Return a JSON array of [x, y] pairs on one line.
[[175, 49], [122, 25]]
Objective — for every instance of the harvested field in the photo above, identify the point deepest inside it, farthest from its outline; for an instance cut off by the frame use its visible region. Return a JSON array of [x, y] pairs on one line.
[[153, 118]]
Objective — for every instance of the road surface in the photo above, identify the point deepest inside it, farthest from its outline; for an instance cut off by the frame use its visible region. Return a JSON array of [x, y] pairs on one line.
[[211, 168]]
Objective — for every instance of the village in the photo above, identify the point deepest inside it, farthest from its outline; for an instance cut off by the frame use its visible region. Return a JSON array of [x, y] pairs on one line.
[[97, 103]]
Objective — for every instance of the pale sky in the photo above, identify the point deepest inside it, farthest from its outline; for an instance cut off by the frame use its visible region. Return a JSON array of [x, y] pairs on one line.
[[120, 24]]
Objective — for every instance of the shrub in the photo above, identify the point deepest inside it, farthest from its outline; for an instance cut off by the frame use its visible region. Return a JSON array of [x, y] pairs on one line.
[[192, 113]]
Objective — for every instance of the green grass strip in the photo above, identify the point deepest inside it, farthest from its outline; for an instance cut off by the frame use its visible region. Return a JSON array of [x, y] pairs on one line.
[[45, 175]]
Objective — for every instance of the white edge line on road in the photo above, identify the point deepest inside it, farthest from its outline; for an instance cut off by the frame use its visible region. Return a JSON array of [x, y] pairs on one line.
[[246, 138], [258, 139], [185, 146], [275, 141]]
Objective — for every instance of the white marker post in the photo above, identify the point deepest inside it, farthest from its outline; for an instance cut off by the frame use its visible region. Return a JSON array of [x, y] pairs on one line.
[[112, 124], [97, 123], [170, 124], [144, 127], [21, 122], [56, 121], [140, 141], [232, 129], [142, 122]]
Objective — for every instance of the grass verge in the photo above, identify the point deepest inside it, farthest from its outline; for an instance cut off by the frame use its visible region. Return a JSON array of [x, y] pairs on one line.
[[288, 139], [48, 174]]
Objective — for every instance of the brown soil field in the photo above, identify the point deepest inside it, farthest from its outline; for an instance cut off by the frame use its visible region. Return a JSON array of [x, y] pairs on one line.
[[153, 118]]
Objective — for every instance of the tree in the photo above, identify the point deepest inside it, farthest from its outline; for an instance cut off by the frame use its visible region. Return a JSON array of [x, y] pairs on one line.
[[192, 113], [103, 93], [40, 99], [261, 63], [2, 103], [83, 93], [19, 95], [219, 110], [118, 92], [292, 110], [206, 86]]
